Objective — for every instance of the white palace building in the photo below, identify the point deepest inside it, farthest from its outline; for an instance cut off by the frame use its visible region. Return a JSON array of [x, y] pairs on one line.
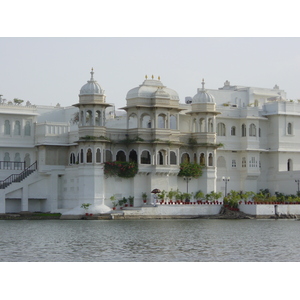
[[51, 158]]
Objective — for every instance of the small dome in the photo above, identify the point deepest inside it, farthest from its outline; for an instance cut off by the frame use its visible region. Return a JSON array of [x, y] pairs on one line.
[[91, 87], [152, 88], [202, 96]]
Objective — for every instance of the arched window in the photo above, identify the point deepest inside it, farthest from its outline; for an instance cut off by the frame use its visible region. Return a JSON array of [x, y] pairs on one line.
[[146, 157], [233, 163], [162, 121], [133, 156], [7, 163], [81, 119], [89, 156], [202, 159], [289, 128], [173, 122], [210, 125], [185, 158], [259, 132], [210, 160], [252, 130], [17, 130], [72, 159], [27, 129], [252, 162], [289, 165], [7, 127], [244, 164], [132, 121], [89, 118], [202, 125], [98, 156], [160, 158], [17, 162], [146, 121], [243, 130], [98, 119], [194, 126], [173, 158], [108, 155], [233, 130], [256, 103], [6, 156], [221, 162], [221, 129], [121, 156], [17, 157], [81, 156]]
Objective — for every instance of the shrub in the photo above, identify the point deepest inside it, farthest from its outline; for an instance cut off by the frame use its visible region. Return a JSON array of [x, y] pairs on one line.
[[120, 168]]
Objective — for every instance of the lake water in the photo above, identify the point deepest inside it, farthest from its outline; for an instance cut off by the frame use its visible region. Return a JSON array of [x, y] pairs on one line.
[[193, 240]]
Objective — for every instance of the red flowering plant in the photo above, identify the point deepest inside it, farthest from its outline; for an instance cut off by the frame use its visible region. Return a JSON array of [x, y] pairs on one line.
[[122, 169], [190, 170]]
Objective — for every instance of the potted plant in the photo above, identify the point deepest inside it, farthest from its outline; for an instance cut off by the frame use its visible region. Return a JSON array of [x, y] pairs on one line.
[[86, 207], [144, 196], [114, 202], [171, 194], [124, 200], [162, 196], [130, 198], [120, 203], [199, 196]]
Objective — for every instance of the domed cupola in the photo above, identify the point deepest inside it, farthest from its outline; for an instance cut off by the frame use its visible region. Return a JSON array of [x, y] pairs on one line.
[[91, 93], [203, 96], [91, 87], [152, 88]]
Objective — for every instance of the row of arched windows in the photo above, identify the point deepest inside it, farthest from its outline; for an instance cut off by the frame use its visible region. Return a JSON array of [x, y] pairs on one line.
[[92, 118], [162, 157], [221, 130], [203, 125], [15, 162], [253, 163], [145, 121], [15, 128]]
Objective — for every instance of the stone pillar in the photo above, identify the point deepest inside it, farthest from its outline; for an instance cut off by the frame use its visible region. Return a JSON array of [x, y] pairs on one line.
[[2, 202], [53, 193], [24, 200]]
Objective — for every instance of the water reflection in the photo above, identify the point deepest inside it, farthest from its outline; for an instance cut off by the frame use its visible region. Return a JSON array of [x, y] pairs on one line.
[[150, 240]]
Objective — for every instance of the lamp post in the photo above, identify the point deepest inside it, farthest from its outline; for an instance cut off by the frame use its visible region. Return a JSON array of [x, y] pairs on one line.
[[297, 181], [226, 181], [187, 179]]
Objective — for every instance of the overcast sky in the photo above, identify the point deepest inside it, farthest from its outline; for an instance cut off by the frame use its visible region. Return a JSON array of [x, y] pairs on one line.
[[41, 64], [52, 70]]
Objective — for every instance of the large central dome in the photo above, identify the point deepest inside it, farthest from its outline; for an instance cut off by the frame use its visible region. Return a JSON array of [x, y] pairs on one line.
[[91, 87], [152, 88]]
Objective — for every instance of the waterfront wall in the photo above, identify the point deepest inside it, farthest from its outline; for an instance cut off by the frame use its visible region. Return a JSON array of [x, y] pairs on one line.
[[169, 210], [270, 209]]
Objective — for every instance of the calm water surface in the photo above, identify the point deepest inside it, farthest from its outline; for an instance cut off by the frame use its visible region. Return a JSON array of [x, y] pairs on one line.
[[149, 240]]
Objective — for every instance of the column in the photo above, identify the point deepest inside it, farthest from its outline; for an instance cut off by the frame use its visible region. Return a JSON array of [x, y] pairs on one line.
[[24, 200]]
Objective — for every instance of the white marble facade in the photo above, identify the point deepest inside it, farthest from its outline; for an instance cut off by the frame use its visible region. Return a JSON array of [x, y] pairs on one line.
[[248, 134]]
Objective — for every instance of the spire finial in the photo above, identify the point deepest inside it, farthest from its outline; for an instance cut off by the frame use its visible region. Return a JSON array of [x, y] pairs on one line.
[[158, 77], [203, 83], [152, 76], [146, 76], [92, 74]]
